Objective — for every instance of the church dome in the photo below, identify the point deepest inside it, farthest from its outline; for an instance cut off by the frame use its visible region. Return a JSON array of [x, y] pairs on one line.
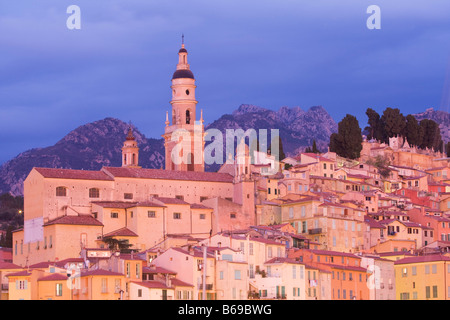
[[183, 73]]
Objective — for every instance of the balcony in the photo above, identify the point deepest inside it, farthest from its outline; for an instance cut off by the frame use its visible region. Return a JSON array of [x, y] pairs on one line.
[[315, 231]]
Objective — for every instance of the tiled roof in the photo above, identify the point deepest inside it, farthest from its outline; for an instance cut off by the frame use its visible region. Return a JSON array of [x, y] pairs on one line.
[[120, 172], [75, 220], [199, 206], [179, 283], [122, 232], [54, 277], [152, 284], [318, 157], [167, 200], [9, 265], [99, 272], [156, 269], [23, 273], [126, 204], [73, 174], [425, 258]]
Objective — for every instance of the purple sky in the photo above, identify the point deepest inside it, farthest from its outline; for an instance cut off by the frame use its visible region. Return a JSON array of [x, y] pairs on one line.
[[267, 53]]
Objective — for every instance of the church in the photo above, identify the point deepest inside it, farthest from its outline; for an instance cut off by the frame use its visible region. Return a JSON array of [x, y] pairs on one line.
[[67, 211]]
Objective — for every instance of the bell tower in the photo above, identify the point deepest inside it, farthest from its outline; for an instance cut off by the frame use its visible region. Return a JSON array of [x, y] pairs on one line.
[[130, 151], [183, 135]]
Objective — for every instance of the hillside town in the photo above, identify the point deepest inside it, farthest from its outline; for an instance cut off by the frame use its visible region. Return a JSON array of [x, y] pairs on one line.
[[316, 226]]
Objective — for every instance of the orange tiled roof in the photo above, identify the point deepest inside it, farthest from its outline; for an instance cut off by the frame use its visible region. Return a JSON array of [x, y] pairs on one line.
[[75, 220], [54, 277], [73, 174], [122, 232], [120, 172]]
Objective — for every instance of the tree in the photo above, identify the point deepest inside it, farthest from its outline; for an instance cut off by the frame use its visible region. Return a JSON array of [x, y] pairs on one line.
[[118, 245], [347, 142], [375, 128], [413, 131], [431, 135], [394, 123], [447, 148], [312, 149]]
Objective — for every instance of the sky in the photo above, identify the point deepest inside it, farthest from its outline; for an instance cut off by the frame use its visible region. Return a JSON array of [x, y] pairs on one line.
[[269, 53]]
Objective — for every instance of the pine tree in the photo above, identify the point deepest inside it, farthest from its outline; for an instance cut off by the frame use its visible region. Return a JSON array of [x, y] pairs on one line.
[[413, 131], [394, 123]]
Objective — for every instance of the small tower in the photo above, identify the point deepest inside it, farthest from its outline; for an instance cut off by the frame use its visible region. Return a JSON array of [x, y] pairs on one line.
[[130, 151], [183, 135]]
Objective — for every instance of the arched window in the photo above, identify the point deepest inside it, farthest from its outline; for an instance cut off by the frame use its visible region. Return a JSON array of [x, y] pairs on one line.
[[188, 117], [94, 193], [61, 191], [133, 159]]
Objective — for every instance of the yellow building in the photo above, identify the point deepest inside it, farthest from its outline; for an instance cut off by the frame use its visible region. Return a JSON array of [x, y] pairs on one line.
[[423, 278], [99, 285]]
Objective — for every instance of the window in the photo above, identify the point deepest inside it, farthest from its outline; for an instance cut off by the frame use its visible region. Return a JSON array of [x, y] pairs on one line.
[[21, 284], [151, 214], [94, 193], [291, 212], [128, 196], [250, 248], [114, 215], [59, 288], [139, 293], [104, 285], [202, 216], [435, 292], [237, 274], [232, 215], [179, 197], [177, 215], [61, 191]]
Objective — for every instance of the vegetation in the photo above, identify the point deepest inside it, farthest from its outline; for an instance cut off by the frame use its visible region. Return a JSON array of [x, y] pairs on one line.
[[312, 149], [382, 164], [347, 141], [423, 134], [11, 217]]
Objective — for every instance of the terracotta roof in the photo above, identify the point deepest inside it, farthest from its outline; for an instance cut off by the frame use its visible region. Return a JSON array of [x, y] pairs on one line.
[[23, 273], [75, 220], [130, 256], [125, 204], [99, 272], [73, 174], [179, 283], [318, 157], [54, 277], [152, 284], [167, 200], [425, 258], [9, 265], [156, 269], [122, 232], [199, 206], [120, 172]]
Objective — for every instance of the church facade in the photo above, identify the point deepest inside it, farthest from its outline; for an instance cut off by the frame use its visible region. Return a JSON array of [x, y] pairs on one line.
[[66, 210]]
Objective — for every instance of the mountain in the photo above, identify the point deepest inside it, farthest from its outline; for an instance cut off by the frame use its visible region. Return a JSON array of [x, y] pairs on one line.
[[440, 117], [297, 128], [88, 147], [99, 143]]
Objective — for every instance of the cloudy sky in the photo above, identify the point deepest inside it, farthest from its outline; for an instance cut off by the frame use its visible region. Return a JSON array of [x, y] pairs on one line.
[[269, 53]]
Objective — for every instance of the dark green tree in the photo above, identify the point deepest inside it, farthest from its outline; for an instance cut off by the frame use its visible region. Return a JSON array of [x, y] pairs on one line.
[[375, 127], [447, 149], [413, 131], [348, 140], [431, 135], [394, 123]]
